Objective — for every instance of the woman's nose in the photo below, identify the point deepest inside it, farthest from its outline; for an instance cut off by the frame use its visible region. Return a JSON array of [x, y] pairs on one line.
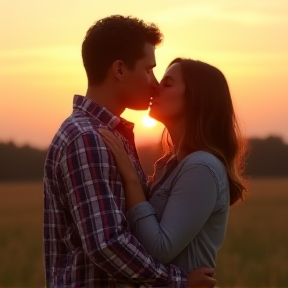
[[154, 81]]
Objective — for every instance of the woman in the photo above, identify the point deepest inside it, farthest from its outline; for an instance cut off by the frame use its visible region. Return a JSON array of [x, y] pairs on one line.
[[199, 176]]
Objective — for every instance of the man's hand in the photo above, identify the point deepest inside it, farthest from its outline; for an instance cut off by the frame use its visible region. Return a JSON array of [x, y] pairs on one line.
[[201, 277]]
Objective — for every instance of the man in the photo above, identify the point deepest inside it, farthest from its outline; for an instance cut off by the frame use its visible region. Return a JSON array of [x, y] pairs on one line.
[[87, 240]]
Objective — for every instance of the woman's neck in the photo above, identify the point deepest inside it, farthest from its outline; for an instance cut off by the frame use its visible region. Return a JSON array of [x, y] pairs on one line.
[[176, 131]]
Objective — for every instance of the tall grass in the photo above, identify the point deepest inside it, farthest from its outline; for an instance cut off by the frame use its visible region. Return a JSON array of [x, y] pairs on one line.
[[21, 263], [255, 251], [254, 254]]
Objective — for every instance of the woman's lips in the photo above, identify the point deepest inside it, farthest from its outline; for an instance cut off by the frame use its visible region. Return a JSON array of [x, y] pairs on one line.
[[153, 102]]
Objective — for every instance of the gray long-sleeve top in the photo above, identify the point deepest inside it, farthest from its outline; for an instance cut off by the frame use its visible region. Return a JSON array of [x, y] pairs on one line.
[[185, 220]]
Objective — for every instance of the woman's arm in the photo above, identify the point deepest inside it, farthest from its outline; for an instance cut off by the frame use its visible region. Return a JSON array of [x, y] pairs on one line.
[[191, 201]]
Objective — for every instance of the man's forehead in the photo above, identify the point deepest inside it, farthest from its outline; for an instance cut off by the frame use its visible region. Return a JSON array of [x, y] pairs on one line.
[[149, 50]]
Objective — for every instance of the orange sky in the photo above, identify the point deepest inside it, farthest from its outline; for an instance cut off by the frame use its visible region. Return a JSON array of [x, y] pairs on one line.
[[41, 67]]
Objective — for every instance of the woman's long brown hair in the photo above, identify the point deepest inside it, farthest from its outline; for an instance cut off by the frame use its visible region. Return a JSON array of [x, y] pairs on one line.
[[211, 124]]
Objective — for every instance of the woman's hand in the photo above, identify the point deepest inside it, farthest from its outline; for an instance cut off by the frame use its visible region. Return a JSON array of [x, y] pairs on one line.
[[124, 164], [132, 186]]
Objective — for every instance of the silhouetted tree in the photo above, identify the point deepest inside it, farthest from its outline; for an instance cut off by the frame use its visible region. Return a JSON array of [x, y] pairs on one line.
[[268, 158], [20, 163]]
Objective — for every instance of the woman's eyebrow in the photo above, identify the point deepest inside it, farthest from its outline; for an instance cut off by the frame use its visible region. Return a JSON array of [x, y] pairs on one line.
[[168, 77]]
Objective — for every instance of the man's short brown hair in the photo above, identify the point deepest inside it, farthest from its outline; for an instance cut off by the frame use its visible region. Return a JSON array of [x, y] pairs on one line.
[[116, 38]]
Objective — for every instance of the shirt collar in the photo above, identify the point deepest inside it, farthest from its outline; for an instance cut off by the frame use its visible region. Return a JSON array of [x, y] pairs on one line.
[[100, 113]]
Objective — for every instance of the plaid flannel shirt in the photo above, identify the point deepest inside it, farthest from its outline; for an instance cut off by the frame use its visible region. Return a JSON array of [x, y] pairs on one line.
[[87, 241]]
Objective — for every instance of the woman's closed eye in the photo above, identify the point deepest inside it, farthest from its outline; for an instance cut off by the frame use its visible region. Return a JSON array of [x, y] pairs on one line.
[[166, 84]]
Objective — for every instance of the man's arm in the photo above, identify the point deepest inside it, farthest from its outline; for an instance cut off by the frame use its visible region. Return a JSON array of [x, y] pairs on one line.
[[94, 184]]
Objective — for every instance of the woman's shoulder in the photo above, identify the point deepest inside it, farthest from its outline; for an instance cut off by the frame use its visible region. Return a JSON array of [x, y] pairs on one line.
[[206, 159], [217, 169]]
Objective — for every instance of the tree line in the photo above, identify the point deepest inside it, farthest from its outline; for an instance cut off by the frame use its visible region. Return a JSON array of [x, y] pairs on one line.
[[266, 158]]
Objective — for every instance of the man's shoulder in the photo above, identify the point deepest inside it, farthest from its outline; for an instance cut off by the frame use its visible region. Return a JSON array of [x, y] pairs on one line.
[[73, 127]]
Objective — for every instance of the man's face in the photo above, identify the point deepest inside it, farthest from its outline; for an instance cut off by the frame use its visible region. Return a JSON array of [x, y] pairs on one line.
[[140, 83]]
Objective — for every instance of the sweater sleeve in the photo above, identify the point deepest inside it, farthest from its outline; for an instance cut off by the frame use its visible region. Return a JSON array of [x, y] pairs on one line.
[[191, 201]]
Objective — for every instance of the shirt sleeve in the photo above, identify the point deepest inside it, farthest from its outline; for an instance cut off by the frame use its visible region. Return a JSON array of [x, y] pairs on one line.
[[94, 187], [191, 201]]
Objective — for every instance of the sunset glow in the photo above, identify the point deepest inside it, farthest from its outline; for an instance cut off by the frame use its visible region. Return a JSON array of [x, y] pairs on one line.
[[41, 65], [148, 122]]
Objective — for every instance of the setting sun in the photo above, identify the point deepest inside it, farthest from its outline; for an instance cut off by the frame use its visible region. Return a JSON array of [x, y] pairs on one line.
[[249, 37], [148, 122]]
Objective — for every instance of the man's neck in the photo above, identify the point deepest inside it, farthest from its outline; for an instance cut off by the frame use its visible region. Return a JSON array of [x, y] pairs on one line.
[[106, 97]]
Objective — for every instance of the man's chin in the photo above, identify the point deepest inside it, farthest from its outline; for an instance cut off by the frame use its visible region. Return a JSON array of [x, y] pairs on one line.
[[139, 107]]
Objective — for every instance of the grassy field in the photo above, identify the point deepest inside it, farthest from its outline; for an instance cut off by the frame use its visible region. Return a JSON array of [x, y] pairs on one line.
[[255, 252]]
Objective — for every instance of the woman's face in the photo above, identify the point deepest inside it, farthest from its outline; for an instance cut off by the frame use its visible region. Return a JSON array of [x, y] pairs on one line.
[[168, 105]]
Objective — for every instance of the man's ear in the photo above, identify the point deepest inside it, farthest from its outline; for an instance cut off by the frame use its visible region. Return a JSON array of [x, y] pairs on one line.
[[118, 68]]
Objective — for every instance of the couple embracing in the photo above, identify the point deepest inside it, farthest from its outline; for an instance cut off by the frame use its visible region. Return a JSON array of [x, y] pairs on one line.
[[106, 223]]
